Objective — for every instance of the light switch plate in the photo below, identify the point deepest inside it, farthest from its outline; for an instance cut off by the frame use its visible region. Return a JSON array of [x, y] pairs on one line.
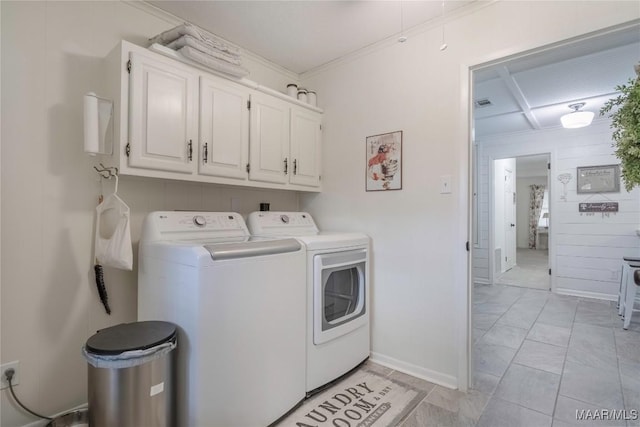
[[445, 184]]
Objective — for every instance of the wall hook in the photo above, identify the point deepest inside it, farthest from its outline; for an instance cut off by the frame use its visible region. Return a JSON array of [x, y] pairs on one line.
[[109, 171]]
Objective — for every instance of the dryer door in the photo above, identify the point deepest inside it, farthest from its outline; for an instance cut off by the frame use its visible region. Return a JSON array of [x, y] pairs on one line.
[[339, 294]]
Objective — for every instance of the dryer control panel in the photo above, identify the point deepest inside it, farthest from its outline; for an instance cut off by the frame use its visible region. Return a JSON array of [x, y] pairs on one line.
[[281, 223]]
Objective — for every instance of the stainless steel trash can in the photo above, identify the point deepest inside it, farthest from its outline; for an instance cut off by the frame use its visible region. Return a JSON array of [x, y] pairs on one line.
[[132, 375]]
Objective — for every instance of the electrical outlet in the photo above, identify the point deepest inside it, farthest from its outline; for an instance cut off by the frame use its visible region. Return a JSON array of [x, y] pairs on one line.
[[235, 204], [16, 376]]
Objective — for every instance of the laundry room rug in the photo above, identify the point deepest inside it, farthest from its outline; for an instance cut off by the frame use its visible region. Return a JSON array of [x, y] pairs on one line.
[[362, 399]]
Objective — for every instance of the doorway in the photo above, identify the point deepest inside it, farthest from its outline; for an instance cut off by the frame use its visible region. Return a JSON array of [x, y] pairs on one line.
[[517, 104], [521, 220]]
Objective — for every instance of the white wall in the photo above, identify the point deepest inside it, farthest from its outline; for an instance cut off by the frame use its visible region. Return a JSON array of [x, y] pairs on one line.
[[419, 270], [523, 196], [51, 56], [585, 250]]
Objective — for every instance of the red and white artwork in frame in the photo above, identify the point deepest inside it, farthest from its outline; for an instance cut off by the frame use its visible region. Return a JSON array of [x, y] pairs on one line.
[[384, 161]]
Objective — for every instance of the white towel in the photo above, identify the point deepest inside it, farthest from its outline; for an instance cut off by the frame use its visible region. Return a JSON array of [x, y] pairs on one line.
[[190, 41], [213, 63], [196, 32]]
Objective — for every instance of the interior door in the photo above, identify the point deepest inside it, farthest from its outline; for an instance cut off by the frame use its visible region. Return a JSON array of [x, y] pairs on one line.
[[510, 234]]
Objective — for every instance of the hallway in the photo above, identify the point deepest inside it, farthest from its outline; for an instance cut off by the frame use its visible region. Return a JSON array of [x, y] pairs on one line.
[[531, 270]]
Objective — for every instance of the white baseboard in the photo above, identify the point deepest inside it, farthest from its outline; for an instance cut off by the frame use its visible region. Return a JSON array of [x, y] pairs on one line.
[[415, 370], [586, 294], [481, 281]]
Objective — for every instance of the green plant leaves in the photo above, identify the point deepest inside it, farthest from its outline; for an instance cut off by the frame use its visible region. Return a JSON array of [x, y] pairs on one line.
[[625, 122]]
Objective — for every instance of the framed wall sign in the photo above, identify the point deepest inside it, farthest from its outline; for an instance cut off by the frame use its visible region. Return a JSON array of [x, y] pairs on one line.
[[598, 207], [384, 161], [599, 179]]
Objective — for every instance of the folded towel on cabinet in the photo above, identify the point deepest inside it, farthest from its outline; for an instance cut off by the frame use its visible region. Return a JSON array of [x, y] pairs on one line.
[[200, 46], [198, 33], [213, 63], [194, 43]]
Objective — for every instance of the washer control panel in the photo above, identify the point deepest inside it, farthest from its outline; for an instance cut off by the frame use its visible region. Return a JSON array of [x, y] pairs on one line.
[[194, 225]]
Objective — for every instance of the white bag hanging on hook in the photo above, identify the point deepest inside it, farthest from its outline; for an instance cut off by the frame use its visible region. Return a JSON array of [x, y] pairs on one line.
[[113, 233]]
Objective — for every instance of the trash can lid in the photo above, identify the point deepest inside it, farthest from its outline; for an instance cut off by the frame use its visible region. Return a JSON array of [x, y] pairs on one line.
[[130, 337]]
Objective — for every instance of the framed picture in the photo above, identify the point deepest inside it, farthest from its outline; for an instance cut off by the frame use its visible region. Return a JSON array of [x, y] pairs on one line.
[[384, 162], [599, 179]]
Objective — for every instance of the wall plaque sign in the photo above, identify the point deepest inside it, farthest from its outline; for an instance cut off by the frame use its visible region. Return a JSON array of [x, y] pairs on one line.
[[598, 207]]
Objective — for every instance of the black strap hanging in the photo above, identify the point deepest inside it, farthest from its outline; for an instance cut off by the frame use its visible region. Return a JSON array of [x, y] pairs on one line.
[[102, 290]]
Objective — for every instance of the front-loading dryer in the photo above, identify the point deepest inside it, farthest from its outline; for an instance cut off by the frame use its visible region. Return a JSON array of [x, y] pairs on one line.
[[337, 269]]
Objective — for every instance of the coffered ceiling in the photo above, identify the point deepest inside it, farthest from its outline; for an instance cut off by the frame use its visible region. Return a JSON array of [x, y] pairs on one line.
[[533, 92]]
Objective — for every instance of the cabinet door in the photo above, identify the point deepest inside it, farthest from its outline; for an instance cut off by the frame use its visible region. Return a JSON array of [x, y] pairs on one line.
[[269, 139], [162, 115], [224, 129], [305, 147]]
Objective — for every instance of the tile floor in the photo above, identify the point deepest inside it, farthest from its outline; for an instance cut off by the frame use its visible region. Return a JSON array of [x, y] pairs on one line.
[[538, 357], [542, 356]]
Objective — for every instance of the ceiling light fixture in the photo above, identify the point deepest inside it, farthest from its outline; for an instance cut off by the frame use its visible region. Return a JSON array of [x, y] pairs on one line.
[[577, 119]]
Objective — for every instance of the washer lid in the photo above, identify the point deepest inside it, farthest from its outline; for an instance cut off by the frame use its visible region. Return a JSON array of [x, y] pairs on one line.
[[131, 336], [253, 248]]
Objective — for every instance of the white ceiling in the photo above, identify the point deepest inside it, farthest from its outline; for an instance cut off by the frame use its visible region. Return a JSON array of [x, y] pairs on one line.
[[302, 35], [527, 93]]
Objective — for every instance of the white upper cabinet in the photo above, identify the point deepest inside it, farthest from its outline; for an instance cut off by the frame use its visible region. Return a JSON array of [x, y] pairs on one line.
[[305, 147], [162, 122], [269, 139], [173, 119], [224, 129]]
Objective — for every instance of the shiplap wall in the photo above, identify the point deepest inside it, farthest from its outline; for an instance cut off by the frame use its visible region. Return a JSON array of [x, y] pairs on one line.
[[585, 250]]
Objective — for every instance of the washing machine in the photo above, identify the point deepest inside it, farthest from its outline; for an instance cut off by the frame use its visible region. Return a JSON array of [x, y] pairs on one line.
[[240, 306], [337, 269]]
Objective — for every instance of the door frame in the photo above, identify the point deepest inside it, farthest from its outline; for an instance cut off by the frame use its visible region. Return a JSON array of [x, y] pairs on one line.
[[491, 244]]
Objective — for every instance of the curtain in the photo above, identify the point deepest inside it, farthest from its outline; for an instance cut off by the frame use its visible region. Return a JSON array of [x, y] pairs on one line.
[[535, 206]]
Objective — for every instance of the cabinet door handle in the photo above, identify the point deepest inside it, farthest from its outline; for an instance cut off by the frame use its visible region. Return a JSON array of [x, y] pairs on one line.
[[286, 165], [205, 152], [190, 150], [295, 166]]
